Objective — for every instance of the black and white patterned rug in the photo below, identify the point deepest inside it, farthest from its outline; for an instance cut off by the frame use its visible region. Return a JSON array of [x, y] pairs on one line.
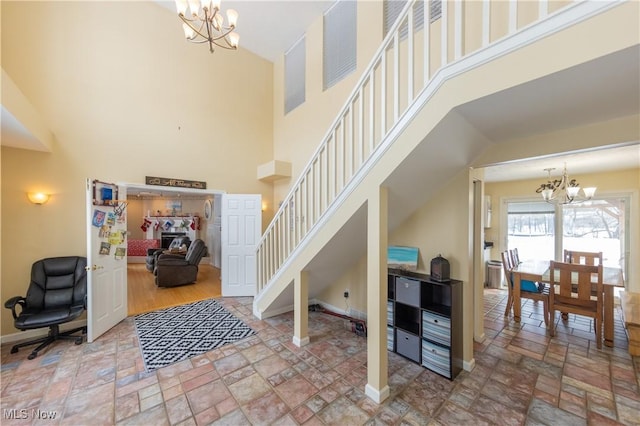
[[178, 333]]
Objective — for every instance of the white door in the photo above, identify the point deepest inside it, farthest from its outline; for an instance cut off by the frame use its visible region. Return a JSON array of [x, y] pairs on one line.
[[106, 257], [241, 225]]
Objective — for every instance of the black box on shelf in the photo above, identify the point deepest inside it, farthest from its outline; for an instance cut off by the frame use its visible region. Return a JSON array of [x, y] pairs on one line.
[[440, 269]]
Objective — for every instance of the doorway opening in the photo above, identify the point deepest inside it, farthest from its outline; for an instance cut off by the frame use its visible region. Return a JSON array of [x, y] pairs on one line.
[[158, 206]]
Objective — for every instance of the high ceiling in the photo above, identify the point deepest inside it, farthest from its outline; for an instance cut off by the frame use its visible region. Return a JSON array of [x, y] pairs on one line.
[[268, 28]]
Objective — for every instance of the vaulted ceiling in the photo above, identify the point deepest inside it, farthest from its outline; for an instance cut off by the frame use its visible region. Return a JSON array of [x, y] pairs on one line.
[[268, 28]]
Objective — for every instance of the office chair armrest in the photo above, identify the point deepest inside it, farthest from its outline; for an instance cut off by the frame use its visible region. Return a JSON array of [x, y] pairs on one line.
[[11, 304]]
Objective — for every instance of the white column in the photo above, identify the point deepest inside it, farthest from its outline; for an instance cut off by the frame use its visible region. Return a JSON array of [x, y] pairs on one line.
[[377, 387], [301, 309]]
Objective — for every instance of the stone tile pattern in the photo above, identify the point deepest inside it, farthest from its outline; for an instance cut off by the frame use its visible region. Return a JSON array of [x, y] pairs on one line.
[[521, 376]]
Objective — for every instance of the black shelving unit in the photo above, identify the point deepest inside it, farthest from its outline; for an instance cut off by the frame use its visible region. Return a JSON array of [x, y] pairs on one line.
[[424, 321]]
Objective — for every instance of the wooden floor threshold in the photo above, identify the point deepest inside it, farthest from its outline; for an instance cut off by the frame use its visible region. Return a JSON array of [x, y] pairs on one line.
[[144, 296]]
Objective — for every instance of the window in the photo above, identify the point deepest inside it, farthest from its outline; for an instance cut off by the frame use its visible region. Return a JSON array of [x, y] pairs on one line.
[[531, 229], [595, 226], [392, 9], [542, 231], [339, 37], [435, 7], [294, 76]]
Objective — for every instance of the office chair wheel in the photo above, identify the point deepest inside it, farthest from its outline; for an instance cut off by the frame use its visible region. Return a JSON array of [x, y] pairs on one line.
[[79, 341], [14, 350], [32, 355]]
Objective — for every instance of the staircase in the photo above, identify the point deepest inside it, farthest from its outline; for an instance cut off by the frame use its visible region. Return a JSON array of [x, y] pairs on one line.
[[389, 134]]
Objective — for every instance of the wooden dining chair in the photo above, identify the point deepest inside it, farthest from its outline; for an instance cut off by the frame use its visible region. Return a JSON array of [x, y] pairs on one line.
[[538, 292], [583, 257], [507, 266], [571, 291], [515, 257]]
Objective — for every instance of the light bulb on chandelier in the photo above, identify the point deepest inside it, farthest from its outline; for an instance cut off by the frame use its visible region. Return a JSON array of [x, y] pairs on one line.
[[205, 23], [564, 190]]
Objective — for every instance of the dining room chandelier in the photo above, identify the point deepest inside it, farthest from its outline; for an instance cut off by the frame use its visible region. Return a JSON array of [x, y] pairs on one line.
[[204, 23], [564, 190]]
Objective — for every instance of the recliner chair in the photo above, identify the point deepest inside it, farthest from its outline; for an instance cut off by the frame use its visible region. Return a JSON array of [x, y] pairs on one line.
[[153, 253], [56, 295], [173, 270]]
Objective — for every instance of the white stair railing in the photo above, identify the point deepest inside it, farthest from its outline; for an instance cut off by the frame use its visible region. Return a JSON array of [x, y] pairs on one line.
[[402, 67]]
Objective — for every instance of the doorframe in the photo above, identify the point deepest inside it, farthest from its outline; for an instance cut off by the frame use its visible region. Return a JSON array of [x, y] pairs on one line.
[[170, 189], [191, 191], [477, 263]]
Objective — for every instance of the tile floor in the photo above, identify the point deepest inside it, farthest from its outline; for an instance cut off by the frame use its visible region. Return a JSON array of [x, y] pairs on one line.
[[521, 377]]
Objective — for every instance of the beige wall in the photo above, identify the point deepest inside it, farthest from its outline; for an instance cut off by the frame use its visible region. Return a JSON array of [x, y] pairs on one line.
[[125, 96], [135, 211], [298, 133]]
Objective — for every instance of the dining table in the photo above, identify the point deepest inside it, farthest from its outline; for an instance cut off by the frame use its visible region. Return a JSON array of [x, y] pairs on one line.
[[539, 271]]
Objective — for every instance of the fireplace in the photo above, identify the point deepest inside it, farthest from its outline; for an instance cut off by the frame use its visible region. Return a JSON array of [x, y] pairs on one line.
[[167, 237]]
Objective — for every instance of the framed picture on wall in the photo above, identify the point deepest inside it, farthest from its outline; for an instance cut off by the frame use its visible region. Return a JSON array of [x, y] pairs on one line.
[[104, 194], [399, 257]]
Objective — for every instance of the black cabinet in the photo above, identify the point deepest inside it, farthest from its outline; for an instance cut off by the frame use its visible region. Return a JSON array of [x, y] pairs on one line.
[[424, 321]]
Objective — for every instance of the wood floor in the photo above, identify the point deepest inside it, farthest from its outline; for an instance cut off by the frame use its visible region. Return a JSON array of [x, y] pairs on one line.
[[144, 296]]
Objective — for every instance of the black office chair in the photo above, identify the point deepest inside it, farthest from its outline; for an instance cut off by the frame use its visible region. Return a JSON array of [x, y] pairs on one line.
[[56, 295]]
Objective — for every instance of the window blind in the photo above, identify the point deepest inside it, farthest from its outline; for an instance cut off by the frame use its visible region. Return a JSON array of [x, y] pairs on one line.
[[530, 207], [294, 76], [392, 9], [435, 7], [339, 38]]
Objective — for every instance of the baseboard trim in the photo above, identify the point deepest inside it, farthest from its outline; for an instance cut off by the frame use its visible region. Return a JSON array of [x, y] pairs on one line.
[[469, 365], [270, 313], [274, 312], [39, 332], [377, 395], [300, 342]]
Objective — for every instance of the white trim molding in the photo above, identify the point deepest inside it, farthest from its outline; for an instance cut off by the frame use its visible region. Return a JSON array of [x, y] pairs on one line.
[[300, 342], [377, 395]]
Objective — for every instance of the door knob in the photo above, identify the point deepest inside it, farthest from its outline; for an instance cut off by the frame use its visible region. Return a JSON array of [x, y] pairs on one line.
[[93, 268]]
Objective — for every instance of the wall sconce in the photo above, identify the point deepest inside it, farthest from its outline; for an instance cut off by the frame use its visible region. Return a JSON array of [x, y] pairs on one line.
[[38, 197]]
